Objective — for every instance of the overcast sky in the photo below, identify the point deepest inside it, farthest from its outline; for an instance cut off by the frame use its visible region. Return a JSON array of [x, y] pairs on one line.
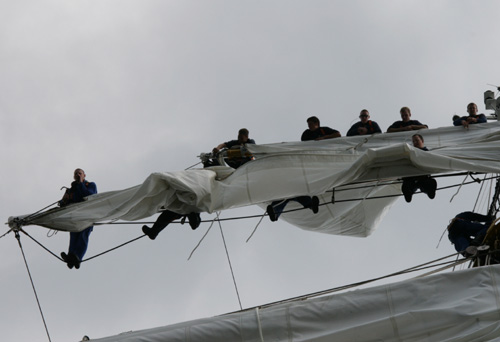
[[126, 88]]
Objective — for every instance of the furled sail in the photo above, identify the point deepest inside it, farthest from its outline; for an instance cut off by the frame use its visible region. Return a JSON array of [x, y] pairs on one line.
[[456, 306], [287, 170]]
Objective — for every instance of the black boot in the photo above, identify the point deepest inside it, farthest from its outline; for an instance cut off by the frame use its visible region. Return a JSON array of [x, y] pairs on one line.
[[407, 191], [431, 190], [194, 220], [149, 232], [75, 260], [271, 213], [67, 260], [315, 204]]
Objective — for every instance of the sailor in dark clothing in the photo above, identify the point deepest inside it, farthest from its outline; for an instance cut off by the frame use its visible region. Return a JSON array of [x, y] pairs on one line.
[[167, 217], [466, 229], [364, 126], [425, 183], [242, 139], [473, 117], [405, 124], [234, 162], [78, 241], [316, 132]]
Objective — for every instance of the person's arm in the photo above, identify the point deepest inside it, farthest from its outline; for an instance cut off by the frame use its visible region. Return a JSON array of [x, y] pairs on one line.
[[415, 127], [459, 122], [481, 118], [375, 128], [353, 130], [65, 199], [334, 134], [219, 147], [305, 136], [418, 125], [395, 127], [84, 189], [329, 133]]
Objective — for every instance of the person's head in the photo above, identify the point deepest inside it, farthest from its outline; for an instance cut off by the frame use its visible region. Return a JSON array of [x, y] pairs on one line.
[[364, 116], [243, 135], [472, 108], [77, 175], [418, 140], [405, 114], [313, 123]]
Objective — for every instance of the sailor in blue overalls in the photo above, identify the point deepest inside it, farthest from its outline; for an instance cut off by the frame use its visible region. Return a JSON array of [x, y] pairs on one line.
[[78, 241]]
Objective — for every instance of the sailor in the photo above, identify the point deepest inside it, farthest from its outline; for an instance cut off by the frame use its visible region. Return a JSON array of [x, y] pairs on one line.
[[78, 241], [466, 230], [167, 217], [472, 118], [405, 124], [364, 126], [316, 132], [234, 163], [425, 183]]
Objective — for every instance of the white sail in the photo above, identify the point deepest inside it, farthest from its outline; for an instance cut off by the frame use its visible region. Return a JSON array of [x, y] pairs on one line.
[[459, 306], [287, 170]]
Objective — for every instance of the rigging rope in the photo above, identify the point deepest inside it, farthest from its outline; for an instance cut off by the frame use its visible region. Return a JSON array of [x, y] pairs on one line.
[[92, 257], [112, 249], [18, 237], [230, 265], [495, 203], [417, 268], [258, 224], [190, 167], [478, 194], [32, 238], [36, 212], [203, 237], [7, 232], [463, 182]]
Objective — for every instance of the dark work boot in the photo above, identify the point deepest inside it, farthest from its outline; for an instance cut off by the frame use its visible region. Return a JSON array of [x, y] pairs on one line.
[[194, 220], [315, 204], [431, 191], [67, 260], [75, 260], [407, 192], [149, 232], [271, 213]]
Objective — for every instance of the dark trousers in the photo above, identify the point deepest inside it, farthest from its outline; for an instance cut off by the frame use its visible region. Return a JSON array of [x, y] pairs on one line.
[[412, 184], [79, 241], [164, 219], [279, 206]]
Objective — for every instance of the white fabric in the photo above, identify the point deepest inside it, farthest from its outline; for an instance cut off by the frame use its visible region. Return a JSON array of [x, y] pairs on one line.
[[287, 170], [462, 306]]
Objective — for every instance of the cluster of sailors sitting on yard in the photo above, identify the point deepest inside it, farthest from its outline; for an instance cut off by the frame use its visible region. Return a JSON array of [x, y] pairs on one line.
[[465, 230]]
